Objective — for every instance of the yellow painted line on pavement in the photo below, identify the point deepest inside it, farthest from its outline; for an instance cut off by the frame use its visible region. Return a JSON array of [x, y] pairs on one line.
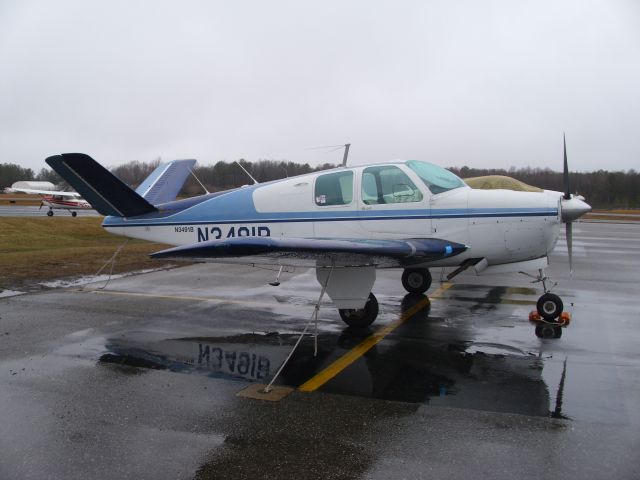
[[363, 347]]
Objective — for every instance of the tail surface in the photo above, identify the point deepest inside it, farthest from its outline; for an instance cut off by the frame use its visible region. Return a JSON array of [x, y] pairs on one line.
[[103, 190], [165, 182]]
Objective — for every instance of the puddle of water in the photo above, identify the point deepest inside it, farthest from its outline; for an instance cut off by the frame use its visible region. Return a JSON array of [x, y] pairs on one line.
[[10, 293]]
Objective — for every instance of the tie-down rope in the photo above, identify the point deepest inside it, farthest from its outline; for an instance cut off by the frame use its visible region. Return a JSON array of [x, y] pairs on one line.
[[314, 315]]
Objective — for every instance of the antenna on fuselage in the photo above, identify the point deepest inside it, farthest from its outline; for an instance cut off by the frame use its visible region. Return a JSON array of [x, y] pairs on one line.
[[198, 180], [334, 148], [346, 154], [255, 182]]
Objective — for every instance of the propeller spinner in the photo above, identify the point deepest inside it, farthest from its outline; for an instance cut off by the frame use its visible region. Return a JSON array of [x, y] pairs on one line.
[[572, 207]]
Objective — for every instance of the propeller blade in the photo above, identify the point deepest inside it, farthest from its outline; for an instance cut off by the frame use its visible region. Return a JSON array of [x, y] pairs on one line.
[[41, 205], [569, 234], [565, 177]]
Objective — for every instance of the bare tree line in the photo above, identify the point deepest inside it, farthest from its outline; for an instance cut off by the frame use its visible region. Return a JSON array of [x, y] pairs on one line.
[[221, 175], [603, 189]]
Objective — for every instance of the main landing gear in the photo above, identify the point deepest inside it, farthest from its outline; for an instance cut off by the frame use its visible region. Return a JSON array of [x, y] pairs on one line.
[[50, 213], [361, 317]]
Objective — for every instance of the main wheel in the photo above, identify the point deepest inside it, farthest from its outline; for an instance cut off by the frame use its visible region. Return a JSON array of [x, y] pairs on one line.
[[416, 280], [361, 317], [549, 306], [73, 214], [50, 213]]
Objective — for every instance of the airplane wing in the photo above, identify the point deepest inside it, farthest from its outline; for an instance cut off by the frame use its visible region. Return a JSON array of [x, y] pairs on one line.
[[46, 192], [312, 252]]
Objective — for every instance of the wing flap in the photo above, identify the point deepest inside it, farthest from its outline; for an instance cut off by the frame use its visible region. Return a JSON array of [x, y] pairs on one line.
[[314, 251]]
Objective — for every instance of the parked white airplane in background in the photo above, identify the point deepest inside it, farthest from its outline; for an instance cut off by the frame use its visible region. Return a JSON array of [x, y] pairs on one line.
[[53, 199], [344, 222]]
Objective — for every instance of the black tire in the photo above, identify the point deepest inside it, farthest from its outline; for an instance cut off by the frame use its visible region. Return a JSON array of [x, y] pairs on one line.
[[549, 306], [361, 318], [416, 280], [73, 214], [50, 213]]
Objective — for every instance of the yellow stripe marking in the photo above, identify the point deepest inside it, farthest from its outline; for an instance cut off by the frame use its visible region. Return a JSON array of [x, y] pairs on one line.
[[363, 347]]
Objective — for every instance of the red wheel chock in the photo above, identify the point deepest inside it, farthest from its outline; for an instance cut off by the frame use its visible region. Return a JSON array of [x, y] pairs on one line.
[[563, 320]]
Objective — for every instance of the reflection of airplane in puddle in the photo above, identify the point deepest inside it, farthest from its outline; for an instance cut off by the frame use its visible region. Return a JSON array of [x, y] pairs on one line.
[[248, 357], [54, 199], [345, 223], [424, 363]]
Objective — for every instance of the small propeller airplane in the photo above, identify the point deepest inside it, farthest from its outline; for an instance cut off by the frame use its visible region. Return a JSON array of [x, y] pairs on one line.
[[54, 199], [345, 223]]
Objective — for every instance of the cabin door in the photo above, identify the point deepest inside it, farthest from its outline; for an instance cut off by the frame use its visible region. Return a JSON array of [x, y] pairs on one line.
[[391, 203]]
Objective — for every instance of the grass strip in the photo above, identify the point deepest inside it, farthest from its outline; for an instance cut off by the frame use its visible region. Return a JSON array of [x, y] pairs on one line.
[[34, 249]]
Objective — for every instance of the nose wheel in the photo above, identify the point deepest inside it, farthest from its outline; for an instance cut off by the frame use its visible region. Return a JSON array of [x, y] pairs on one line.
[[549, 306]]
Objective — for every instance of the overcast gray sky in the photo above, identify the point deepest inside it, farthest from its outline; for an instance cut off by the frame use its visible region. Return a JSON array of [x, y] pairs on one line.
[[477, 83]]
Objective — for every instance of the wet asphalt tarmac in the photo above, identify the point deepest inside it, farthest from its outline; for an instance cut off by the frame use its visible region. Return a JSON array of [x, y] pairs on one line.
[[139, 379]]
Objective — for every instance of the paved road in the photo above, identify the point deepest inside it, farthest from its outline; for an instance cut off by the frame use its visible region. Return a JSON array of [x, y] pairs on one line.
[[139, 380], [26, 211]]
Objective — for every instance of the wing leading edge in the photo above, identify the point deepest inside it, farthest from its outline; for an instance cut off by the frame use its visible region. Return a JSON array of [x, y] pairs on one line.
[[316, 251]]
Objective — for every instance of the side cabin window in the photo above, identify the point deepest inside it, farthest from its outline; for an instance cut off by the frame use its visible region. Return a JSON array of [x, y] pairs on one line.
[[388, 184], [334, 189]]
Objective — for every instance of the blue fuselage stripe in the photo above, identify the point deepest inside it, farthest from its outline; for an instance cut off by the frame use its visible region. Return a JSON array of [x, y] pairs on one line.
[[338, 217]]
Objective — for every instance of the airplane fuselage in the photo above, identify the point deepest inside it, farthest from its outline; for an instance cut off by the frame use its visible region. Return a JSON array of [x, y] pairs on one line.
[[393, 201], [65, 203]]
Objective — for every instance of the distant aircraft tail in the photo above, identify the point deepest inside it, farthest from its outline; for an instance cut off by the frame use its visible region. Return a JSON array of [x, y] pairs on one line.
[[103, 190], [165, 182]]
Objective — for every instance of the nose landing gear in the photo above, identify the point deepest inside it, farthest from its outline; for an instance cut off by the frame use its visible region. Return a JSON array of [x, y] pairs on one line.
[[548, 317]]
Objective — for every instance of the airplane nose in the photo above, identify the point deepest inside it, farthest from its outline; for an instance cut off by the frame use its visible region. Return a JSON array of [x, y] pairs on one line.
[[573, 209]]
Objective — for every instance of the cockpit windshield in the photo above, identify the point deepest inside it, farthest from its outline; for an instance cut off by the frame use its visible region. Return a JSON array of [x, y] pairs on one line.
[[436, 178]]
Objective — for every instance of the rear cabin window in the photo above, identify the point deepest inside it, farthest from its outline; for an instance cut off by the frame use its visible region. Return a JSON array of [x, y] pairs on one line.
[[388, 184], [334, 189]]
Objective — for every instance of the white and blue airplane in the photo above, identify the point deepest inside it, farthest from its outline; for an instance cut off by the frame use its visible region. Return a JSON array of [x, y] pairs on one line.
[[345, 223]]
